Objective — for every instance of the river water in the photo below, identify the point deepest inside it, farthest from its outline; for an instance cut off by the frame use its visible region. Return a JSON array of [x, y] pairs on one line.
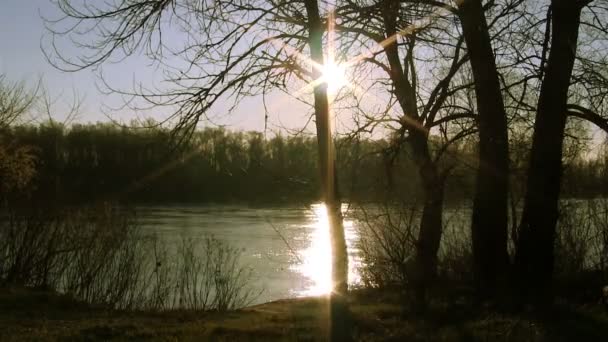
[[287, 247]]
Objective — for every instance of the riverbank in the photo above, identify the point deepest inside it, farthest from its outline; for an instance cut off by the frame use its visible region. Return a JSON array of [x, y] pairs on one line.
[[37, 315]]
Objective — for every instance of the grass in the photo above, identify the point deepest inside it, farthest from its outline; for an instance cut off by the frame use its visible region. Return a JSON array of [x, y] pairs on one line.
[[377, 316]]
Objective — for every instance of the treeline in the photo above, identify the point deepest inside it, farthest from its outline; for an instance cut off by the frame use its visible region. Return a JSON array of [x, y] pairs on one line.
[[587, 177], [86, 163], [106, 162]]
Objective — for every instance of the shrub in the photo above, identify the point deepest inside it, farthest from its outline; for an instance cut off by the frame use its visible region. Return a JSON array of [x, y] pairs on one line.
[[581, 243], [100, 255], [387, 244], [581, 249]]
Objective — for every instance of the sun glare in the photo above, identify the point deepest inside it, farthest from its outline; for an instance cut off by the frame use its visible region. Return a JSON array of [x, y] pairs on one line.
[[335, 76], [316, 258]]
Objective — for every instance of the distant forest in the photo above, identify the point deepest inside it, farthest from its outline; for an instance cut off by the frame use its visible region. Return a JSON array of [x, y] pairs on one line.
[[86, 163]]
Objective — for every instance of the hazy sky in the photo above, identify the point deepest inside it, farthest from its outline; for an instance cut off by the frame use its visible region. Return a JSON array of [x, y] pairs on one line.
[[21, 29], [22, 32]]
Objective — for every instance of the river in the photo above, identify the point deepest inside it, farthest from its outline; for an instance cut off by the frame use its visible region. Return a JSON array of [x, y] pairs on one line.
[[287, 247]]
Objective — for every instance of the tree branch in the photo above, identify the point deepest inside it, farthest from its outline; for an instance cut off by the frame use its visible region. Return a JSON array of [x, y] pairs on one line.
[[589, 115]]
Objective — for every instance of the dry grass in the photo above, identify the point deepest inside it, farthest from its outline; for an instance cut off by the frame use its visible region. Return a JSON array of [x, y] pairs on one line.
[[30, 315]]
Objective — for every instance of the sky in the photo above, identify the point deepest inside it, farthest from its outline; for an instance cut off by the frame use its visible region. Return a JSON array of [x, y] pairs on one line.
[[22, 33], [21, 57]]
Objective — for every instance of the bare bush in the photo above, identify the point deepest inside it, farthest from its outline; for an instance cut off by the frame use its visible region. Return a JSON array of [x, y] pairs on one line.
[[210, 276], [573, 238], [387, 244], [17, 163], [100, 255], [455, 253], [581, 243], [597, 211], [15, 100], [581, 249]]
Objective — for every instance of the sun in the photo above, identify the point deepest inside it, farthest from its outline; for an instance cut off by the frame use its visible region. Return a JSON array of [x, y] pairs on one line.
[[335, 75]]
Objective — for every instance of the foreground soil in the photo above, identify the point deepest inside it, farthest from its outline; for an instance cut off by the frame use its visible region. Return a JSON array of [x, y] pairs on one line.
[[36, 315]]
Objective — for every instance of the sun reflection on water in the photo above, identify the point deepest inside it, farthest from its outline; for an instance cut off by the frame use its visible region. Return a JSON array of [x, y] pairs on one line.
[[316, 258]]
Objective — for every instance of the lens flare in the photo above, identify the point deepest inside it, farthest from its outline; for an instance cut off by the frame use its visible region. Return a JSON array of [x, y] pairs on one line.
[[335, 76]]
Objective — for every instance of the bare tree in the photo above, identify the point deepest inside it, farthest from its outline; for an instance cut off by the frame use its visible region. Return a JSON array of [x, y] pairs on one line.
[[490, 218], [535, 251], [339, 324], [481, 25], [329, 187], [15, 100], [408, 33], [232, 49]]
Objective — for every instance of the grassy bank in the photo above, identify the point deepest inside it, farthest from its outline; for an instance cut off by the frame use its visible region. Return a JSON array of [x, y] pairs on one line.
[[39, 315]]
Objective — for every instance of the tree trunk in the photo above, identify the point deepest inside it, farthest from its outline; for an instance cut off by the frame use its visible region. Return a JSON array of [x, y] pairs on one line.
[[339, 315], [535, 255], [490, 203], [327, 154], [431, 222]]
